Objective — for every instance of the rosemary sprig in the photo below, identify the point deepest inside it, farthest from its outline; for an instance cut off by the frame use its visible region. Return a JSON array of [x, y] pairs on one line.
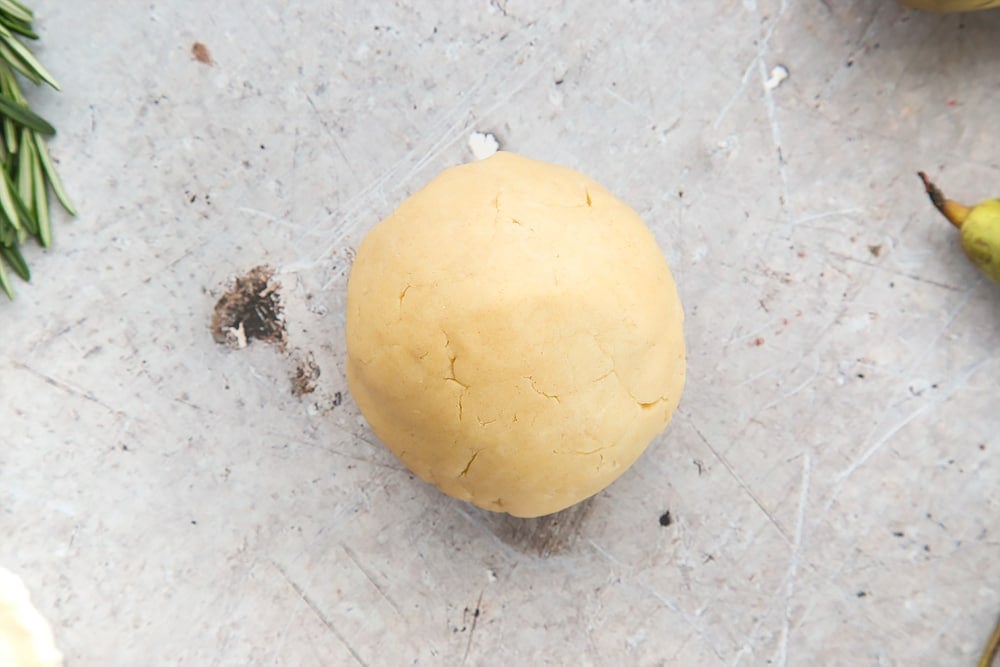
[[26, 170]]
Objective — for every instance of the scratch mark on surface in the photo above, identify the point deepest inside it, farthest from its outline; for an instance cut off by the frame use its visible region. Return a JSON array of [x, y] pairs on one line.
[[631, 105], [769, 103], [280, 644], [351, 457], [85, 394], [796, 558], [895, 272], [691, 620], [739, 480], [452, 126], [754, 378], [329, 131], [472, 630], [796, 390], [605, 554], [733, 338], [302, 230], [739, 92], [319, 614], [812, 217], [844, 474], [866, 456], [841, 479], [368, 575]]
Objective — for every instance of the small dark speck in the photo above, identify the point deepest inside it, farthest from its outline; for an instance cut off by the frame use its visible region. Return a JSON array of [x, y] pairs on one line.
[[666, 519], [262, 147], [193, 522], [680, 194], [982, 447], [892, 285], [559, 82], [849, 63], [338, 398], [862, 594], [476, 613], [860, 376], [124, 448], [927, 547], [898, 533], [875, 250]]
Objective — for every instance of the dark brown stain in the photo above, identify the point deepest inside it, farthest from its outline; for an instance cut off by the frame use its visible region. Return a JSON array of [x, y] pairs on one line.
[[201, 53], [304, 377], [250, 309], [542, 536]]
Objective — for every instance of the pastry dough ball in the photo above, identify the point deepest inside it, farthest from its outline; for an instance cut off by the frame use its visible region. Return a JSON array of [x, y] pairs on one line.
[[25, 637], [514, 335]]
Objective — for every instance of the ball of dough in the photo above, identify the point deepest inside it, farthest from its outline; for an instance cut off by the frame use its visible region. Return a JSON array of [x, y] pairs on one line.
[[514, 335]]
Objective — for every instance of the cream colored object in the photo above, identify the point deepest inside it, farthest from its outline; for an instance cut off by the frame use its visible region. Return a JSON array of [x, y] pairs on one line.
[[25, 637], [514, 335]]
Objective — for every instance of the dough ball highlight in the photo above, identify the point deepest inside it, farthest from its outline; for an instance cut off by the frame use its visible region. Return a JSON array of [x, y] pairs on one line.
[[514, 335]]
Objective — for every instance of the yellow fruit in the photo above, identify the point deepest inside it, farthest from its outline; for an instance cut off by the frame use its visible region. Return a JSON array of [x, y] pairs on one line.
[[979, 228], [951, 5]]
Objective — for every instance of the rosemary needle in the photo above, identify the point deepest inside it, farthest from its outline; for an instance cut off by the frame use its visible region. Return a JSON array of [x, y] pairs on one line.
[[28, 173]]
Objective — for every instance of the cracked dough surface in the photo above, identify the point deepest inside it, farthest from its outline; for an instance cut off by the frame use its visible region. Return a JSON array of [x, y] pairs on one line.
[[514, 335]]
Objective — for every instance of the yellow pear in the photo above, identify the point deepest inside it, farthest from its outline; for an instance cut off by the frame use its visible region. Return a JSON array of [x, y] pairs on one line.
[[979, 228]]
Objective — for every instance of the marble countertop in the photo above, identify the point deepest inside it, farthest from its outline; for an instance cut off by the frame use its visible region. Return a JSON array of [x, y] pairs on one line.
[[831, 474]]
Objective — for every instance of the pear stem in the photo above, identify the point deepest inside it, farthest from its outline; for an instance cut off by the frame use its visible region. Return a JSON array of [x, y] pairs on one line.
[[992, 647], [955, 212]]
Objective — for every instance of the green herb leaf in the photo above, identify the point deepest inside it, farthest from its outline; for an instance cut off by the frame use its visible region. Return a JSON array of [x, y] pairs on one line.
[[16, 10], [26, 117], [16, 261], [19, 27], [28, 171], [52, 176], [41, 206], [5, 282]]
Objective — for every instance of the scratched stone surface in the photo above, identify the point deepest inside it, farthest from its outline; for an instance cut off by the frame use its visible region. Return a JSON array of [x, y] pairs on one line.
[[831, 474]]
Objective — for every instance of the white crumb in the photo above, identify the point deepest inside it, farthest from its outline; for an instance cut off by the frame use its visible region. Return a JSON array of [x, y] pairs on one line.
[[778, 74], [236, 337], [483, 145]]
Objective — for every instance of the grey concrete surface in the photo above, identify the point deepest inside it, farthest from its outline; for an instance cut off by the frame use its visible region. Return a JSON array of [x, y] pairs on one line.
[[831, 474]]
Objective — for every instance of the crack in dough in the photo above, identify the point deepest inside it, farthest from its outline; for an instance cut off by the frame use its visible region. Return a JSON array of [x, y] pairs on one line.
[[534, 386], [465, 471], [515, 264]]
